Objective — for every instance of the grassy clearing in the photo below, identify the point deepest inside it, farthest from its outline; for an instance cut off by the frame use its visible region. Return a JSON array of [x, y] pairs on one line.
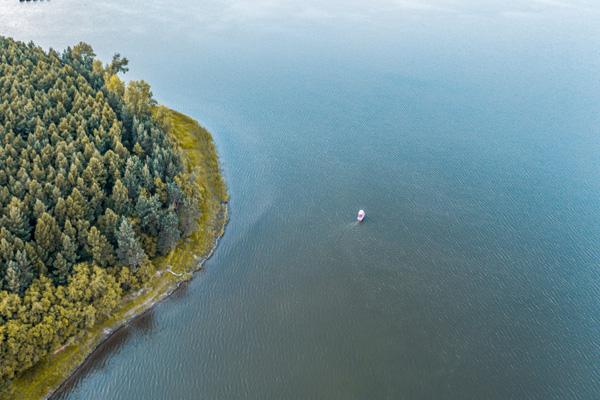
[[200, 155]]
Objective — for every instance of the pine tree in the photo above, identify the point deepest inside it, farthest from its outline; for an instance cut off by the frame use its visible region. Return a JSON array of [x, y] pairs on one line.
[[76, 205], [96, 200], [169, 232], [24, 266], [94, 172], [133, 176], [70, 231], [129, 250], [108, 224], [38, 209], [99, 248], [61, 269], [15, 220], [118, 64], [60, 210], [47, 235], [120, 198], [83, 53], [68, 248], [148, 209], [13, 277]]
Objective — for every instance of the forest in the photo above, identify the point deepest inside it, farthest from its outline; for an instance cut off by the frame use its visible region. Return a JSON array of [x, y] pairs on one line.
[[91, 190]]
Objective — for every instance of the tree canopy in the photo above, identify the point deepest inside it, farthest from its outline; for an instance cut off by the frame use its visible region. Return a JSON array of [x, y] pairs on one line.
[[91, 189]]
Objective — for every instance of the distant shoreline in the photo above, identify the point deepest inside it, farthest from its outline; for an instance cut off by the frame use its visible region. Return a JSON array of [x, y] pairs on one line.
[[199, 153]]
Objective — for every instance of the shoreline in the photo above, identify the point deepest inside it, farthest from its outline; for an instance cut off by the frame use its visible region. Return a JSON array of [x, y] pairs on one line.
[[141, 313], [199, 151]]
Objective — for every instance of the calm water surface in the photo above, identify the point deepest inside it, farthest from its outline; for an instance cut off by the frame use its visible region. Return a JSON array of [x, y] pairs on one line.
[[468, 130]]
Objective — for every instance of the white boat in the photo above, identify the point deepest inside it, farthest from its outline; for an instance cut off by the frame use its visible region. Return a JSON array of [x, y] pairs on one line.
[[361, 215]]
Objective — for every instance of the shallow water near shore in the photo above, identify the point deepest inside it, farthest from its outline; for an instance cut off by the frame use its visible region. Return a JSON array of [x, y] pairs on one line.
[[468, 131]]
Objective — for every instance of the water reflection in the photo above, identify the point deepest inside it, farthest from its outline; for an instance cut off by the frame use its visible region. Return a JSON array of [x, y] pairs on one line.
[[142, 325]]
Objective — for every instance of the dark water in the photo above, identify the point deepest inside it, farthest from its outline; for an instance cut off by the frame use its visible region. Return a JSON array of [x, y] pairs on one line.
[[469, 132]]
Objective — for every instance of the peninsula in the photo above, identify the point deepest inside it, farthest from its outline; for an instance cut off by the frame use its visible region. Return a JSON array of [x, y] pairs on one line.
[[108, 201]]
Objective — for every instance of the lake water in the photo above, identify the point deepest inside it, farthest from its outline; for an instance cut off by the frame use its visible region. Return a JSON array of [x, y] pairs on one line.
[[469, 131]]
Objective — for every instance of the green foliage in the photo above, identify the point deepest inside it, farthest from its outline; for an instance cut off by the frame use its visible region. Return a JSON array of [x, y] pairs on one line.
[[169, 232], [90, 186], [118, 64], [41, 319], [130, 251], [199, 155], [148, 208], [98, 246], [138, 98], [15, 221]]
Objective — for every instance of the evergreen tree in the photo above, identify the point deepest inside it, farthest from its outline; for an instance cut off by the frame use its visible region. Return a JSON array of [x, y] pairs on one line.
[[15, 221], [24, 267], [38, 209], [47, 235], [83, 53], [76, 205], [120, 198], [99, 248], [118, 64], [169, 232], [148, 209], [61, 269], [108, 224], [13, 277], [68, 248], [129, 250], [133, 176]]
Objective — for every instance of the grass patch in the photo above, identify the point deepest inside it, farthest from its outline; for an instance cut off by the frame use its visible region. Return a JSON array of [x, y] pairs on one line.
[[200, 155]]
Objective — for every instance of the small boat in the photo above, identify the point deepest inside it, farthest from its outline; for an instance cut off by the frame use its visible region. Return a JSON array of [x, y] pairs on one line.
[[361, 215]]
